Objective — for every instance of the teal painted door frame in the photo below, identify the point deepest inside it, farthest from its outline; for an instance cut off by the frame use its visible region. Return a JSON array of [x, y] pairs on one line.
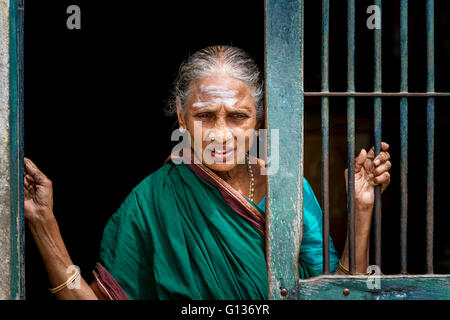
[[17, 238], [284, 113]]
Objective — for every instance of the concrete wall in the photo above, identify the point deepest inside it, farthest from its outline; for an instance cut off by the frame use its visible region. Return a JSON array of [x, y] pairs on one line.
[[5, 211]]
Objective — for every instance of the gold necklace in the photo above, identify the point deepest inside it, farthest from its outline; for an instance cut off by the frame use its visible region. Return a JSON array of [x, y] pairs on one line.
[[252, 179]]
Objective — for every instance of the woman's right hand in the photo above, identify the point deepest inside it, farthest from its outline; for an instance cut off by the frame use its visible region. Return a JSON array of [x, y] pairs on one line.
[[38, 194], [38, 205]]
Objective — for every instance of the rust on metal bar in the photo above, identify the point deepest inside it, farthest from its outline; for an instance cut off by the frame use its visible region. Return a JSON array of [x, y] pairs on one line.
[[403, 135], [325, 140], [430, 135], [351, 134], [377, 133]]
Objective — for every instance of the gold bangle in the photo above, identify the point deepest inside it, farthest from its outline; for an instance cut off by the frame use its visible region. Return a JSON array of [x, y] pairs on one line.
[[346, 271], [342, 268], [66, 283]]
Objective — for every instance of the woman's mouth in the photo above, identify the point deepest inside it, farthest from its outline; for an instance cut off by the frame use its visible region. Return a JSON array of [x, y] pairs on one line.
[[221, 154]]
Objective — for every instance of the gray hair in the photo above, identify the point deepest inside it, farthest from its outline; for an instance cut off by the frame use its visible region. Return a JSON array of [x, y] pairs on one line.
[[236, 62]]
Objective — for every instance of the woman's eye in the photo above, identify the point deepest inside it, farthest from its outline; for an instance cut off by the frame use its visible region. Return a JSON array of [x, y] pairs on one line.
[[239, 116], [204, 115]]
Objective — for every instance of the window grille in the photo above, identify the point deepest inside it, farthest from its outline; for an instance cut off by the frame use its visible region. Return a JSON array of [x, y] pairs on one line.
[[284, 62]]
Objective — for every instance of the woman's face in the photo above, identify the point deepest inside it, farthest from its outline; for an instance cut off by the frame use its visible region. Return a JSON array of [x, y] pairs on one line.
[[220, 116]]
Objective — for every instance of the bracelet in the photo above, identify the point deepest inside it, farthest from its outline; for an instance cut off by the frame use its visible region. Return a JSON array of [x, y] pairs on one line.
[[66, 283], [346, 271]]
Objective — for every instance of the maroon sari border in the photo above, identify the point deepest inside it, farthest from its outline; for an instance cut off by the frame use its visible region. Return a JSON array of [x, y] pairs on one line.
[[232, 197], [107, 285]]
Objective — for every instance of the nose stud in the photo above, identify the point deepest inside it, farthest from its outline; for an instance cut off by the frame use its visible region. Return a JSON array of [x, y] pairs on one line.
[[228, 136]]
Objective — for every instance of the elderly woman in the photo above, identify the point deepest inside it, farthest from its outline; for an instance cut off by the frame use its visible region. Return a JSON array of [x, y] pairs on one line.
[[194, 229]]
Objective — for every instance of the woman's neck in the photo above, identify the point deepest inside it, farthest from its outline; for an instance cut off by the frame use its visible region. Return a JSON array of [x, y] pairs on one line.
[[238, 178], [238, 173]]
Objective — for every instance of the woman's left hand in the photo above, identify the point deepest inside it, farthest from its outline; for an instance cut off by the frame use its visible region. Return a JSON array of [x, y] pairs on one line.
[[370, 172]]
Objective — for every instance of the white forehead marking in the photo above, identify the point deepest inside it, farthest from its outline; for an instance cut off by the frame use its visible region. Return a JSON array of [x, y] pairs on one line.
[[219, 94], [201, 104], [218, 91]]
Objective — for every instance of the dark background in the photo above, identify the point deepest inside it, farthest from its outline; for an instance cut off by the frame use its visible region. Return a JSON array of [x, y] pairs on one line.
[[94, 98]]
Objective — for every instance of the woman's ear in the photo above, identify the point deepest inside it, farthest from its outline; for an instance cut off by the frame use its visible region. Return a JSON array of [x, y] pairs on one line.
[[179, 112]]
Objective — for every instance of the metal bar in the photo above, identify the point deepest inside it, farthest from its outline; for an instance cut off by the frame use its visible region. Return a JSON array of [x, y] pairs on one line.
[[377, 132], [404, 135], [351, 134], [376, 94], [430, 134], [284, 112], [325, 140]]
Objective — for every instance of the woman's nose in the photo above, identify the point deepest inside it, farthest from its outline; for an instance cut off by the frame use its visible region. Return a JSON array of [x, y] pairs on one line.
[[221, 135]]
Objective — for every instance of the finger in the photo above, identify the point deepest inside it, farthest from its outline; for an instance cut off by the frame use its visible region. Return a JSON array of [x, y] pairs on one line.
[[359, 161], [382, 168], [382, 178], [34, 172], [368, 165], [28, 181], [381, 158], [28, 190], [27, 184], [29, 178], [371, 153], [384, 146]]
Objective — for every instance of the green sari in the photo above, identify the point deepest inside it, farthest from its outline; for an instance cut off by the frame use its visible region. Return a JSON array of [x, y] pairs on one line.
[[184, 233]]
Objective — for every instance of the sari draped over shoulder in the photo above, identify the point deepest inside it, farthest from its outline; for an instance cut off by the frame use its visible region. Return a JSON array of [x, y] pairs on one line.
[[184, 233]]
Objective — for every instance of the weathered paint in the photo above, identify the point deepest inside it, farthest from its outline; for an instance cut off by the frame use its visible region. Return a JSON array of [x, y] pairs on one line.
[[403, 135], [5, 210], [325, 139], [412, 287], [377, 134], [351, 134], [11, 151], [17, 150], [430, 135], [284, 96]]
